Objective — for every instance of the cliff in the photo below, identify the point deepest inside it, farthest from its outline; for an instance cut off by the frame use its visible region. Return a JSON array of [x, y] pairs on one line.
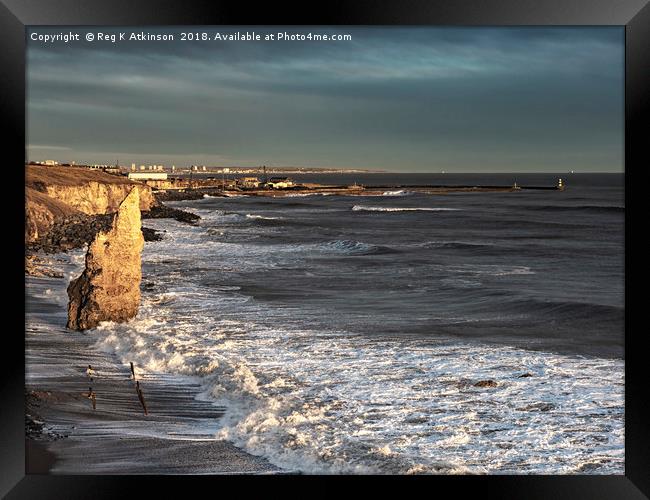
[[109, 287], [40, 213], [89, 191], [55, 193]]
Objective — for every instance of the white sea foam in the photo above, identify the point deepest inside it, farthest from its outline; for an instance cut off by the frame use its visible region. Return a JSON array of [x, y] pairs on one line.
[[400, 192], [334, 403], [489, 269], [348, 246], [303, 195], [401, 209], [264, 217]]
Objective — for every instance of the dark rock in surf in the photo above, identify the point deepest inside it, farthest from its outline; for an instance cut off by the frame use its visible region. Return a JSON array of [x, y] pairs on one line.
[[485, 383], [151, 234], [161, 211]]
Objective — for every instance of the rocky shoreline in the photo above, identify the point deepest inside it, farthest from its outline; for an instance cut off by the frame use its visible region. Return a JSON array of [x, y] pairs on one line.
[[162, 211], [78, 230], [187, 194], [64, 434]]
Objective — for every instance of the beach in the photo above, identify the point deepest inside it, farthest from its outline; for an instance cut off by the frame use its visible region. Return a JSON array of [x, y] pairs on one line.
[[176, 437]]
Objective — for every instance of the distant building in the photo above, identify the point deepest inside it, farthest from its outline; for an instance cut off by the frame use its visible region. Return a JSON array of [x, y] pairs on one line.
[[132, 167], [156, 180], [144, 176], [50, 162], [249, 182], [280, 182]]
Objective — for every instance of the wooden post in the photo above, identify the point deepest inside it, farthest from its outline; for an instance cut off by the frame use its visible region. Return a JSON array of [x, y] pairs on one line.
[[132, 371], [92, 396], [141, 397]]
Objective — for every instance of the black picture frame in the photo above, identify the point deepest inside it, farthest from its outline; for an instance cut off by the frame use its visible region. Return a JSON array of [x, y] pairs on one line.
[[15, 15]]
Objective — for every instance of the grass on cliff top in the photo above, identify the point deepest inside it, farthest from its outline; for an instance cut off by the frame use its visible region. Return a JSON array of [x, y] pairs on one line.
[[38, 176]]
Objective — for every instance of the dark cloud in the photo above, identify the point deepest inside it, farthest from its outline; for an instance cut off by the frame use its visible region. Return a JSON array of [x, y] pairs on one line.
[[410, 99]]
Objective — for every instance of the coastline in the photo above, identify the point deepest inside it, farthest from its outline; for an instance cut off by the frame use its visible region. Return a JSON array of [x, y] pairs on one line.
[[120, 441], [196, 193], [65, 435]]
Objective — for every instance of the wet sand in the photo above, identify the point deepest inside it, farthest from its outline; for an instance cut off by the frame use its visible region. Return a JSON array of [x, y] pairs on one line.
[[176, 437]]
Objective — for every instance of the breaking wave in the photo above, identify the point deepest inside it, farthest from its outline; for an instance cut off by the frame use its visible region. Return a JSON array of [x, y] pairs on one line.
[[322, 402], [401, 209], [261, 217], [400, 192], [353, 247]]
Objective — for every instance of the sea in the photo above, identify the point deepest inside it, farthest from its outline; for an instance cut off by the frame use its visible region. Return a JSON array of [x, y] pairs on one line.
[[350, 334]]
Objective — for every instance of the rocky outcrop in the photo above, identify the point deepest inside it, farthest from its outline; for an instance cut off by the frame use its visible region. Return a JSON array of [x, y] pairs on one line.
[[161, 211], [70, 232], [109, 287]]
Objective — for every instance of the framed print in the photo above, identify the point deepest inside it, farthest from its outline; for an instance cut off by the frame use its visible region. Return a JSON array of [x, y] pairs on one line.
[[371, 241]]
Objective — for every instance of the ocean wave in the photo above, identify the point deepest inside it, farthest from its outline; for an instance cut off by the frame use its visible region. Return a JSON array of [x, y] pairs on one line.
[[317, 403], [489, 269], [565, 310], [339, 247], [456, 245], [400, 192], [304, 195], [353, 247], [401, 209], [261, 217]]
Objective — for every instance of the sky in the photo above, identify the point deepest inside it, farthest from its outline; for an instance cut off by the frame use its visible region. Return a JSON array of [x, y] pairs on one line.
[[407, 99]]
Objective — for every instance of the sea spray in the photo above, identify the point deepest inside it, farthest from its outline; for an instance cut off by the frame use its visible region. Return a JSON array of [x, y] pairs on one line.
[[358, 208]]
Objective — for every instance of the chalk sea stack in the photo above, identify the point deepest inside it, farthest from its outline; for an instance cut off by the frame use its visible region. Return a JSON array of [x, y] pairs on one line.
[[109, 287]]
